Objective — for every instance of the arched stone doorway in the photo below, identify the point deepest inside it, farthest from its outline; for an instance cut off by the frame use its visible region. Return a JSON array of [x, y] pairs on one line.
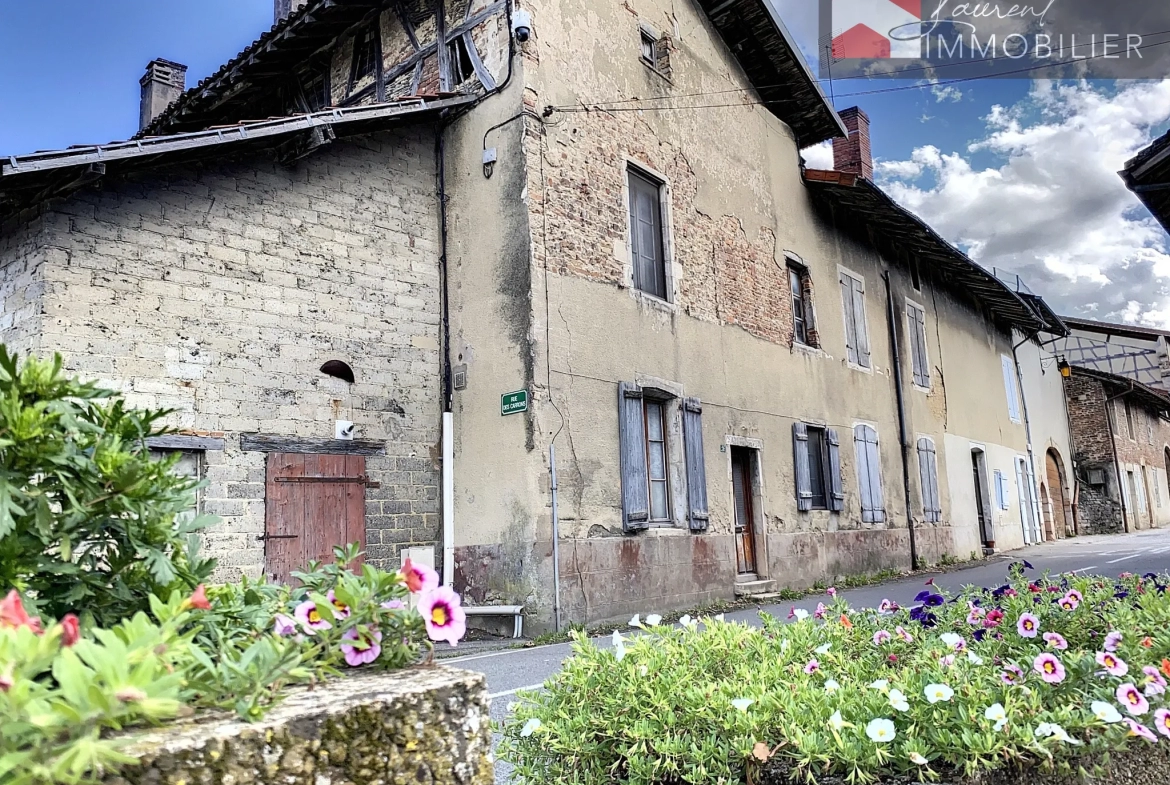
[[1059, 505]]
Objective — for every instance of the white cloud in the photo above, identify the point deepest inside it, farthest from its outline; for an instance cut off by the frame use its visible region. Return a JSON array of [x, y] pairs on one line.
[[947, 93], [1052, 207], [818, 156]]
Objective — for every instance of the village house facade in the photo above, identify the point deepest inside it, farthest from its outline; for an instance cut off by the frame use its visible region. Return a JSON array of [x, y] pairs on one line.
[[475, 231]]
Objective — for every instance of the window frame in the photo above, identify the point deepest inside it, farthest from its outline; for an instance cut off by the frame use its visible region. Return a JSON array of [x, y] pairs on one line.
[[458, 55], [825, 481], [373, 34], [856, 327], [663, 406], [636, 171], [800, 326], [1129, 426], [310, 89], [920, 336]]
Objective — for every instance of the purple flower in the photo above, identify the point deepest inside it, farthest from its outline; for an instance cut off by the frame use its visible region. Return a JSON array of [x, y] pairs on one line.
[[1155, 683], [922, 595], [934, 601], [821, 611], [1113, 665], [1132, 700], [1028, 626], [1012, 674], [1055, 641], [979, 635], [310, 618], [393, 605], [812, 667], [1112, 641], [1076, 595], [1068, 602], [1136, 729], [1162, 721], [365, 648], [1049, 668], [443, 615], [905, 636], [340, 609], [284, 625], [880, 637], [831, 591], [887, 607]]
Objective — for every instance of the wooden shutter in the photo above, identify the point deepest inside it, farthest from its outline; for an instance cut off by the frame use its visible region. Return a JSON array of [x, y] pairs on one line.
[[928, 477], [803, 478], [836, 492], [869, 474], [860, 328], [850, 320], [632, 435], [1009, 384], [646, 236], [696, 466], [917, 323]]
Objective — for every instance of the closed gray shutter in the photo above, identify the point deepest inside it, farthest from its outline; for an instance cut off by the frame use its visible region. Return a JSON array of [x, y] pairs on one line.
[[803, 478], [874, 464], [696, 466], [632, 434], [850, 320], [917, 319], [862, 453], [836, 492], [869, 474], [859, 323], [928, 478]]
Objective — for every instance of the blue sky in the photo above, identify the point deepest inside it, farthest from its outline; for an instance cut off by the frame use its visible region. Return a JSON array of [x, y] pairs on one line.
[[1021, 174]]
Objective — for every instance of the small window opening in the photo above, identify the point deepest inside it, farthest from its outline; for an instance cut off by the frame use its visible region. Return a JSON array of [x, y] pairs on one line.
[[817, 465], [365, 54], [648, 46], [338, 370], [655, 51], [800, 286], [462, 68], [915, 275], [316, 89], [647, 234]]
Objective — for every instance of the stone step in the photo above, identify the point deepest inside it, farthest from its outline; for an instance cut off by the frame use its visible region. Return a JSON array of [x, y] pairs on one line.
[[754, 588]]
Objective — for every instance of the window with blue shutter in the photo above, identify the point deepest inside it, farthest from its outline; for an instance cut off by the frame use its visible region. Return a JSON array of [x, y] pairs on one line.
[[869, 480], [928, 480], [817, 457], [698, 515], [1002, 499], [1009, 384], [632, 455]]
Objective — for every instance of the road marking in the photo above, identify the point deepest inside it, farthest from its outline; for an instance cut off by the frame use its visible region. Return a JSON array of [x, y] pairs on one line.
[[470, 657], [1126, 558], [1082, 569], [494, 695], [1160, 550]]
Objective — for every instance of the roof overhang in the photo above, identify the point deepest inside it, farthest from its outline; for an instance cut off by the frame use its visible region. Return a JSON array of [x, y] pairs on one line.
[[1123, 330], [1148, 395], [26, 180], [1148, 175], [768, 54], [877, 220]]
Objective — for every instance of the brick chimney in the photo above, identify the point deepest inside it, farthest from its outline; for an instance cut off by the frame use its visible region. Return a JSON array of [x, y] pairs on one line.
[[852, 154], [284, 8], [163, 82]]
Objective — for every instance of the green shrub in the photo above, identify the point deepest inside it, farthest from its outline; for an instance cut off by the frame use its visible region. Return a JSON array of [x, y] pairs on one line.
[[947, 687], [88, 521]]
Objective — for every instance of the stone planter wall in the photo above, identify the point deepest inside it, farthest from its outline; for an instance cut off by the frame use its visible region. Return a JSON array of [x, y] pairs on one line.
[[424, 726]]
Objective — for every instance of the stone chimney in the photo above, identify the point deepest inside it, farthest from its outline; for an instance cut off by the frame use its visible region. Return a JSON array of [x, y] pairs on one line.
[[852, 154], [285, 8], [163, 82]]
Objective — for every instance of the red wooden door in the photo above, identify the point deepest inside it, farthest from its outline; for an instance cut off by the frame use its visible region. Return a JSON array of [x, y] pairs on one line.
[[312, 503]]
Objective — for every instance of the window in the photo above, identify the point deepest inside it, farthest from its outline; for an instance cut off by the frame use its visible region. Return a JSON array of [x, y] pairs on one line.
[[1002, 492], [1114, 417], [1009, 385], [1156, 483], [928, 479], [817, 452], [799, 305], [1129, 421], [856, 334], [649, 45], [1140, 487], [647, 241], [651, 467], [1149, 430], [916, 324], [366, 54], [869, 475], [316, 89], [915, 275], [462, 68], [654, 50]]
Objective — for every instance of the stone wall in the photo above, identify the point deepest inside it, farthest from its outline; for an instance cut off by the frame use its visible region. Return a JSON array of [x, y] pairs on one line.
[[1099, 506], [22, 285], [220, 290], [426, 725]]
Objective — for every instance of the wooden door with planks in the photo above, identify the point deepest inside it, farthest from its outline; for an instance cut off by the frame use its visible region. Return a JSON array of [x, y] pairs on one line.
[[312, 503]]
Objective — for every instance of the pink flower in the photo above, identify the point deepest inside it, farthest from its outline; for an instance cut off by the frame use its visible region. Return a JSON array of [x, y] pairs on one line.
[[975, 617], [309, 617], [1028, 626], [365, 649], [1112, 641], [284, 625], [1076, 595], [812, 667], [1055, 641], [71, 630], [1012, 674], [947, 661], [832, 591], [1049, 668], [1138, 730], [443, 615], [994, 617], [340, 609], [821, 611], [1011, 593], [905, 636], [1069, 603], [1133, 701], [881, 636], [12, 614], [393, 605], [887, 607], [1155, 684], [419, 577], [1162, 721], [198, 599], [1113, 665]]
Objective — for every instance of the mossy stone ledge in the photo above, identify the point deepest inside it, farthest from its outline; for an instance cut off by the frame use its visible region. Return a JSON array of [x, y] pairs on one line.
[[422, 726]]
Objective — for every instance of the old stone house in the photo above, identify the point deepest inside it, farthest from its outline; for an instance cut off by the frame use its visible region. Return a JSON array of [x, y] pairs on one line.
[[1121, 440], [509, 242]]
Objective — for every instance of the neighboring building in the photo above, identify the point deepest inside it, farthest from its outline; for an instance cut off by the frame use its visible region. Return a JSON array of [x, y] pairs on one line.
[[1148, 175], [753, 375], [1128, 350], [1121, 441]]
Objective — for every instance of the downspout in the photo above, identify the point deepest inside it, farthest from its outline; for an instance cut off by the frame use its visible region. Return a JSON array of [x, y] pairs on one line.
[[903, 433], [1036, 519], [448, 435], [1125, 511]]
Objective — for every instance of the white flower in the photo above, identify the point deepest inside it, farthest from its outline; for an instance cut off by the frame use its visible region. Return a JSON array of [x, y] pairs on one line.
[[653, 619], [953, 640], [974, 658], [687, 621], [800, 614], [880, 684], [1105, 712], [832, 686], [785, 644], [898, 701], [719, 617], [835, 722], [1055, 731], [742, 703], [619, 646], [917, 759], [644, 670], [997, 714], [880, 730], [636, 621], [824, 649], [936, 693], [947, 661], [530, 727]]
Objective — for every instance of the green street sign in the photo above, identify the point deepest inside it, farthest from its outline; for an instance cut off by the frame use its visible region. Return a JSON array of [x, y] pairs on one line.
[[513, 403]]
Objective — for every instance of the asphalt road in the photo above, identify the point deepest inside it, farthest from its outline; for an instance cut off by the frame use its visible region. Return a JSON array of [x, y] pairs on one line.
[[512, 670]]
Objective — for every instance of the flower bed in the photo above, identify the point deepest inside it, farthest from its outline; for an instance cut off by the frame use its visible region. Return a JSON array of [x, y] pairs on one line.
[[1044, 674]]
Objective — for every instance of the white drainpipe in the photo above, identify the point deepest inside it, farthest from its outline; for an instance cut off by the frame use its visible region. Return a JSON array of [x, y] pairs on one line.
[[448, 499]]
